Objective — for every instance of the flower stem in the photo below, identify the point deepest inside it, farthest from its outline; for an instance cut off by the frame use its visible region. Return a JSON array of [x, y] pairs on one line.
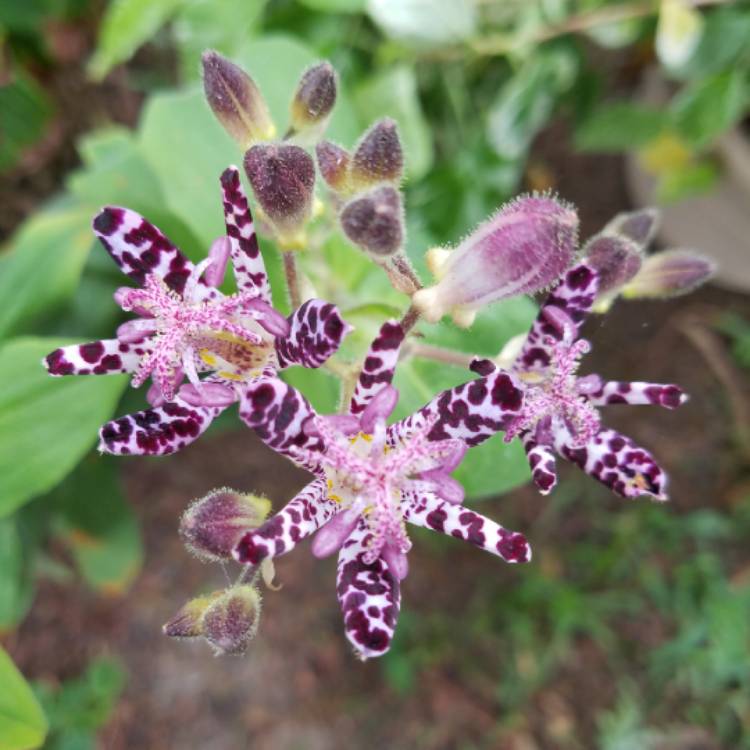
[[411, 316], [439, 354], [292, 279]]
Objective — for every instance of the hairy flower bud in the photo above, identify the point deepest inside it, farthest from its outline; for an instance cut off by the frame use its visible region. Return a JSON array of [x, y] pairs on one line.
[[333, 162], [670, 274], [378, 156], [314, 99], [616, 259], [231, 620], [374, 221], [282, 177], [639, 226], [236, 100], [212, 526], [522, 249], [188, 621]]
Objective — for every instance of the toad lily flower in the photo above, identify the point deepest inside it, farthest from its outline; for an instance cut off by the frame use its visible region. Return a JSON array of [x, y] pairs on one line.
[[372, 478], [560, 408], [186, 326]]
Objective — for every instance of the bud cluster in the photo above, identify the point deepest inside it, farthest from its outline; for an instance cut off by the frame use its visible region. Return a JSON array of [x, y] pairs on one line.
[[618, 254]]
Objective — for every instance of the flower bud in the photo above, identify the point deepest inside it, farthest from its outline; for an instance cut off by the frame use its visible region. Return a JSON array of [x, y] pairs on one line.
[[670, 274], [314, 99], [374, 221], [522, 249], [639, 226], [188, 622], [333, 162], [212, 526], [231, 620], [282, 177], [615, 258], [378, 156], [236, 100]]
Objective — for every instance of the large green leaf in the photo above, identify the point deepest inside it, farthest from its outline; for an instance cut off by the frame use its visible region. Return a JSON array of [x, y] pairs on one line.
[[619, 126], [22, 722], [187, 149], [16, 590], [46, 424], [128, 24], [393, 93], [336, 6], [99, 526], [44, 264]]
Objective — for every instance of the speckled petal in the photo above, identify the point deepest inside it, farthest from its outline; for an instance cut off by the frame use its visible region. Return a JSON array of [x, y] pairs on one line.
[[657, 394], [542, 463], [249, 269], [472, 412], [317, 330], [278, 413], [617, 462], [106, 357], [378, 366], [369, 596], [457, 521], [299, 518], [570, 300], [156, 432], [139, 248]]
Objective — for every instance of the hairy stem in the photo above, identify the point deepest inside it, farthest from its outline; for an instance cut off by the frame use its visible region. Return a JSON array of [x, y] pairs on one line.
[[292, 279], [439, 354], [411, 316]]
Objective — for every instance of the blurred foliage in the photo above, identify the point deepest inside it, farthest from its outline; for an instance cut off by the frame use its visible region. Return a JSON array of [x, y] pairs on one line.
[[738, 330], [471, 85], [22, 721]]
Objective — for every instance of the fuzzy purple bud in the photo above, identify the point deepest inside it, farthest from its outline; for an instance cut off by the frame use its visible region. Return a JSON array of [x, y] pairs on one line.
[[212, 526], [282, 177], [231, 621], [671, 274], [378, 156], [236, 100], [188, 621], [333, 162], [314, 98], [616, 259], [374, 221], [522, 249], [639, 226]]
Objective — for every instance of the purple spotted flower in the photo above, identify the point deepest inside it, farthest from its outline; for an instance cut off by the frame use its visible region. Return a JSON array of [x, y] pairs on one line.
[[186, 328], [371, 479], [560, 408]]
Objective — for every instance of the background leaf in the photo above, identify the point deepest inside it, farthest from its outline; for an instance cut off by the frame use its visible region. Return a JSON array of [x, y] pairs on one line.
[[46, 424], [16, 590], [616, 126], [22, 722]]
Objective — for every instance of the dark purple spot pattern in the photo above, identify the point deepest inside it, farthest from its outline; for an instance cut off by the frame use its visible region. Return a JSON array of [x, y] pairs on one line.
[[635, 393], [105, 357], [379, 365], [542, 463], [317, 330], [249, 269], [299, 518]]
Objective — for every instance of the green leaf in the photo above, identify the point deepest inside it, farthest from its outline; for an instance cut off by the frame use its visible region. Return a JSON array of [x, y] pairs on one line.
[[393, 93], [705, 109], [16, 590], [44, 264], [46, 424], [188, 150], [24, 112], [336, 6], [99, 526], [693, 178], [127, 24], [619, 126], [526, 102], [22, 722], [425, 22]]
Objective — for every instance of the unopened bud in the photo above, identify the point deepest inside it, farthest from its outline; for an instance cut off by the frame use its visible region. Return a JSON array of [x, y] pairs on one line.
[[236, 100], [639, 226], [374, 221], [333, 162], [282, 177], [314, 98], [188, 622], [671, 274], [522, 249], [378, 156], [615, 258], [212, 526], [231, 621]]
